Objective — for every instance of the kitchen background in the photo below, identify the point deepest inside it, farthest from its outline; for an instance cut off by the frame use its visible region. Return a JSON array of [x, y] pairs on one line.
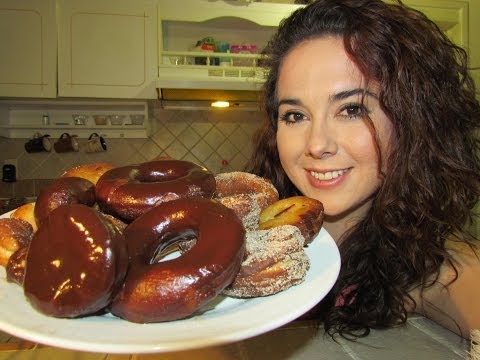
[[221, 140]]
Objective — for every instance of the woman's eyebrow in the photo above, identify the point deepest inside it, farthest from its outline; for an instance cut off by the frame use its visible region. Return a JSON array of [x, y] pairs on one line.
[[347, 93], [289, 102], [335, 97]]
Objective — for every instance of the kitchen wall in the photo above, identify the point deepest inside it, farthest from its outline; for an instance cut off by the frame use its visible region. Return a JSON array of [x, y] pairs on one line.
[[219, 139]]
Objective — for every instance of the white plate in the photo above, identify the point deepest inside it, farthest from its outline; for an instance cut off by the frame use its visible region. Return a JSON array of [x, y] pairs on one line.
[[227, 320]]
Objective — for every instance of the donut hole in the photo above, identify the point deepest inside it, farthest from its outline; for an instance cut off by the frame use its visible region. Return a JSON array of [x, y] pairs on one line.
[[175, 248]]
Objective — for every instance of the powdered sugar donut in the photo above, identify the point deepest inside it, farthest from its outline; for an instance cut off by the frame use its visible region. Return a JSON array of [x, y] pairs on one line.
[[275, 260], [246, 194]]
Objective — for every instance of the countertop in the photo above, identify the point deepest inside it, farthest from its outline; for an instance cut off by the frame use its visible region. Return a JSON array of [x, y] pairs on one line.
[[420, 338]]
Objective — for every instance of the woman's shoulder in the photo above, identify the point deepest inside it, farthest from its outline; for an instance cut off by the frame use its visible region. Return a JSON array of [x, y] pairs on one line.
[[462, 250], [452, 298]]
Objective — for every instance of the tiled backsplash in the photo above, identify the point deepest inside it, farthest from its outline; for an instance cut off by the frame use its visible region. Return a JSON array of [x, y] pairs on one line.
[[221, 140]]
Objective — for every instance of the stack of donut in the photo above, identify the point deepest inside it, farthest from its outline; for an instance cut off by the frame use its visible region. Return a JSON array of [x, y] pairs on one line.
[[275, 260], [277, 233], [93, 241]]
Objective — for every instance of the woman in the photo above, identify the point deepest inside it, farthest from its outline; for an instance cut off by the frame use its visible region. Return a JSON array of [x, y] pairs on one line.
[[371, 111]]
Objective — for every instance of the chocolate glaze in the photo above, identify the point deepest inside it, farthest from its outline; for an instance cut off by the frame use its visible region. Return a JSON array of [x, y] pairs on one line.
[[15, 268], [13, 230], [128, 192], [75, 264], [177, 288], [64, 190]]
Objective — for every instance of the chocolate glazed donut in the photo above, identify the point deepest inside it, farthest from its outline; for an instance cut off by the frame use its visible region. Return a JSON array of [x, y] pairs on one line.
[[128, 192], [75, 264], [176, 288], [63, 191]]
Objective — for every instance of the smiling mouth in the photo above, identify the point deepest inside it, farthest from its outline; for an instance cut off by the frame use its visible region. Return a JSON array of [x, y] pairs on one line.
[[328, 175]]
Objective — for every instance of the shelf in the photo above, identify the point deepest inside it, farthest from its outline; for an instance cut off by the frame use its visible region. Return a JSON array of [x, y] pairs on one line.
[[73, 127], [22, 119], [27, 131], [236, 72], [111, 133]]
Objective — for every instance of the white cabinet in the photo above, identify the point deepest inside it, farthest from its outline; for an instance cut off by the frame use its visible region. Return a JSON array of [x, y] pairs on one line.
[[107, 49], [460, 20], [450, 16], [28, 48]]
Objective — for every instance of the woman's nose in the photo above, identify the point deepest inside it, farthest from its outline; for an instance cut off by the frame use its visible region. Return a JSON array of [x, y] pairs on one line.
[[321, 141]]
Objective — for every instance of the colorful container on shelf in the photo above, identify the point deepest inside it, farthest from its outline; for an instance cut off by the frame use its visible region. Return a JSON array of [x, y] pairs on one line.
[[243, 49]]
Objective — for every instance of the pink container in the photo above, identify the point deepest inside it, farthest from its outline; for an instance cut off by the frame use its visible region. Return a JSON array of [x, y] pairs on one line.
[[243, 49]]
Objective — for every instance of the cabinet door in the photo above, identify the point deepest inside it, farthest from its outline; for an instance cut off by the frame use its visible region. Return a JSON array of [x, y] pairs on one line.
[[28, 48], [460, 20], [107, 48], [474, 41]]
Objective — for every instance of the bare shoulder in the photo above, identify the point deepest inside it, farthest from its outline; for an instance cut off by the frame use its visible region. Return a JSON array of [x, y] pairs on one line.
[[452, 301]]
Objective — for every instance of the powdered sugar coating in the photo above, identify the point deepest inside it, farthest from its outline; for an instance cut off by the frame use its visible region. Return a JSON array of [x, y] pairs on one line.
[[246, 194], [246, 206], [275, 260]]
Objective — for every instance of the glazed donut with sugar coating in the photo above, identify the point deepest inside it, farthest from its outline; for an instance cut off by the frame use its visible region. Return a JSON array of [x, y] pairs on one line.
[[14, 234], [246, 194], [129, 191], [76, 262], [275, 260], [63, 191], [176, 288], [91, 172], [303, 212]]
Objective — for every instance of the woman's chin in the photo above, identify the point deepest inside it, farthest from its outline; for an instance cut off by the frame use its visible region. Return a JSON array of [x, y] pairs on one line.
[[337, 213]]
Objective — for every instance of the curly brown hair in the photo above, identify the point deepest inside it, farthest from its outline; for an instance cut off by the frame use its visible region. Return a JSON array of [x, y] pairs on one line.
[[431, 183]]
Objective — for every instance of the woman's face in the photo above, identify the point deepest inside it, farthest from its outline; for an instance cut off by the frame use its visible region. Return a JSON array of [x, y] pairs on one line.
[[326, 145]]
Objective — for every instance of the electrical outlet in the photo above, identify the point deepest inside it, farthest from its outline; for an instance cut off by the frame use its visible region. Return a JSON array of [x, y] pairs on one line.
[[11, 162]]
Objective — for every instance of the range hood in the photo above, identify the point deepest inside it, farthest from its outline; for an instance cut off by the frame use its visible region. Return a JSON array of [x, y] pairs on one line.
[[189, 73], [207, 95], [197, 99]]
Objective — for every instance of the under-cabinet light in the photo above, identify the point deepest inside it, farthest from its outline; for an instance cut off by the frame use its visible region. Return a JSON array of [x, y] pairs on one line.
[[207, 105], [220, 104]]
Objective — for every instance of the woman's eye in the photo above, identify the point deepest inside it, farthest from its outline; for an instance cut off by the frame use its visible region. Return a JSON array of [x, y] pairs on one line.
[[292, 117], [353, 111]]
